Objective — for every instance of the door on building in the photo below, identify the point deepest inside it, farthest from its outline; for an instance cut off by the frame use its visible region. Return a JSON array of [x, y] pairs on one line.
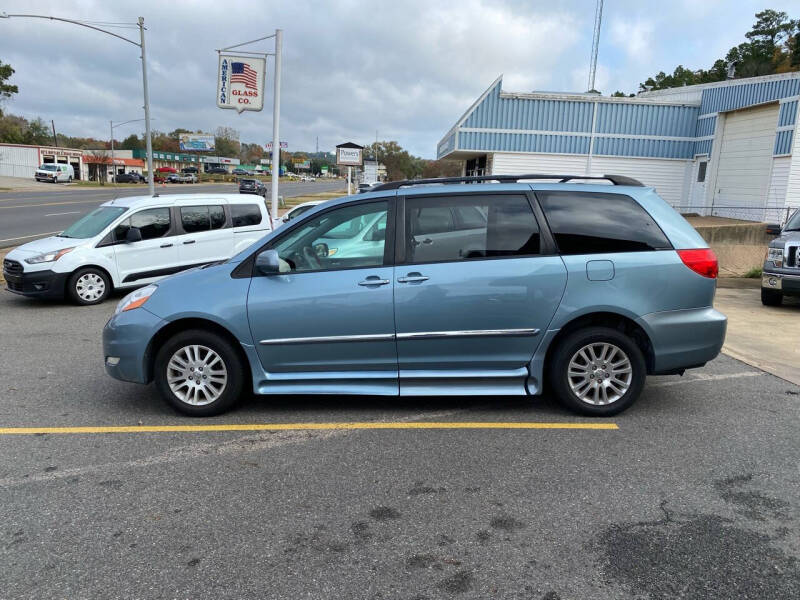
[[745, 162], [696, 202], [76, 167]]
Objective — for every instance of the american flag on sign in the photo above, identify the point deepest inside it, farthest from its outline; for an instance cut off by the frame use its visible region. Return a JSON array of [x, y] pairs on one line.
[[243, 73]]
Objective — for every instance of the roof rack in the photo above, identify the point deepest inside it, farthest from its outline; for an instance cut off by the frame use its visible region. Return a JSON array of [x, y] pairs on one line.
[[615, 179]]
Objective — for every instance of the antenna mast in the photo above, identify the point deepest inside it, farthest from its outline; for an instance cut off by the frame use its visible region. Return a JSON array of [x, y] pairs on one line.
[[598, 18]]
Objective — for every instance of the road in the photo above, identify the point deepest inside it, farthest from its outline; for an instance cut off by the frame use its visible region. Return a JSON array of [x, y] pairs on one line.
[[692, 495], [26, 216]]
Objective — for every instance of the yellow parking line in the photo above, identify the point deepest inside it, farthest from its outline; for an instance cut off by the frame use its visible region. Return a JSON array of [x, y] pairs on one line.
[[301, 427]]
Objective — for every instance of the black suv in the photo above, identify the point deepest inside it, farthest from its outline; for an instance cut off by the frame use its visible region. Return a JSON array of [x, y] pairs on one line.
[[252, 186], [217, 170], [129, 178], [781, 273]]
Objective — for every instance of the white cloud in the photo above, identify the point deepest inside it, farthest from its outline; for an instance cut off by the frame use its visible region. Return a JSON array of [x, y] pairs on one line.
[[636, 37]]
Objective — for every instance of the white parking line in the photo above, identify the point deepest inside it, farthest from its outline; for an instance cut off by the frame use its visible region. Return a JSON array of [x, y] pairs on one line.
[[702, 377], [24, 237], [72, 212]]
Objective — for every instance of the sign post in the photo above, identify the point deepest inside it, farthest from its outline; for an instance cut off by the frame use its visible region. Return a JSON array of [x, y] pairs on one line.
[[240, 86]]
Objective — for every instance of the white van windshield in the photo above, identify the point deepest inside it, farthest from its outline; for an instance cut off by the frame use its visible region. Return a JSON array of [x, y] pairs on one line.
[[93, 223], [48, 167]]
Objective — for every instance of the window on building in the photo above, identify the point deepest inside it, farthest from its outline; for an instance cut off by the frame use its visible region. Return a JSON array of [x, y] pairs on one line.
[[701, 171], [584, 223], [454, 228]]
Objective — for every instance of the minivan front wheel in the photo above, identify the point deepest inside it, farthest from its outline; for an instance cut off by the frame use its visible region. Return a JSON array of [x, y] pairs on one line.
[[199, 373], [597, 371], [88, 286]]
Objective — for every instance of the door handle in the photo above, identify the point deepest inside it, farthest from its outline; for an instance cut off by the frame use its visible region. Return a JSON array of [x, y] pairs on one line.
[[166, 245], [413, 278], [373, 280], [189, 242]]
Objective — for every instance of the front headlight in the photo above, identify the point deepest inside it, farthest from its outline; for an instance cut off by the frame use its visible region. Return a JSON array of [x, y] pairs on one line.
[[775, 255], [51, 256], [136, 298]]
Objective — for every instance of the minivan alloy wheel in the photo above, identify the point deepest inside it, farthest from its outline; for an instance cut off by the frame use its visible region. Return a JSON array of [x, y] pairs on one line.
[[197, 375], [600, 373], [90, 287]]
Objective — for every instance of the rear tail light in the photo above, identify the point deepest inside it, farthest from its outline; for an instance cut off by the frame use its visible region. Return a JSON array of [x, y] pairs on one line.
[[702, 261]]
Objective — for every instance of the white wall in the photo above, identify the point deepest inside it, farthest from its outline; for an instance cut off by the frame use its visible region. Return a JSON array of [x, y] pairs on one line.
[[793, 178], [666, 176], [18, 161]]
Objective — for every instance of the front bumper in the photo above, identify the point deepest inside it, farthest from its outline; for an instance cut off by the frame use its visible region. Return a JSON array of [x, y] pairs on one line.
[[126, 340], [37, 284], [781, 282], [684, 339]]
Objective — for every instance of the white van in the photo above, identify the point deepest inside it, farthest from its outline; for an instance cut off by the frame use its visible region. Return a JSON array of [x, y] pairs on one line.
[[54, 173], [129, 242]]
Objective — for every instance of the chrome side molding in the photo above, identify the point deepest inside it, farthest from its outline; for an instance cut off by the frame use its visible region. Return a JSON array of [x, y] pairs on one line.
[[416, 335]]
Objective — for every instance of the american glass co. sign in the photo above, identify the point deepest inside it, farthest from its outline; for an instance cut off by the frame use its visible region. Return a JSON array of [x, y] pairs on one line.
[[240, 82]]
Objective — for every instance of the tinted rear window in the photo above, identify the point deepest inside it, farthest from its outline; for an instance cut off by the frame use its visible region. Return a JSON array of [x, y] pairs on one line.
[[245, 214], [597, 223]]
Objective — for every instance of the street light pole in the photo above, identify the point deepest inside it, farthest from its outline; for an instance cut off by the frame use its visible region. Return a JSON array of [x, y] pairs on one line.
[[276, 115], [113, 168], [151, 188]]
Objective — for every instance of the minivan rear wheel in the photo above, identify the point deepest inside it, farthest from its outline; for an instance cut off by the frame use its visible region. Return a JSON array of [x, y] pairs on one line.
[[597, 371], [199, 373]]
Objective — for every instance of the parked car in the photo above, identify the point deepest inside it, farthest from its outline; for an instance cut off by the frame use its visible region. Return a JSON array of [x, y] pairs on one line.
[[586, 287], [129, 178], [128, 242], [295, 212], [188, 178], [364, 188], [780, 275], [174, 178], [238, 171], [189, 170], [252, 186], [307, 178], [218, 170], [54, 173]]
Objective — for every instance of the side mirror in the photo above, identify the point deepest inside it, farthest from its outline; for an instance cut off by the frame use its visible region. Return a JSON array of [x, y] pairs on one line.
[[773, 229], [133, 235], [321, 250], [268, 263]]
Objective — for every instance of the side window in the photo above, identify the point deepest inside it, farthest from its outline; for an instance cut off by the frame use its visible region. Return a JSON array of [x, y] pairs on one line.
[[245, 214], [343, 238], [588, 223], [487, 227], [217, 215], [152, 223], [202, 218]]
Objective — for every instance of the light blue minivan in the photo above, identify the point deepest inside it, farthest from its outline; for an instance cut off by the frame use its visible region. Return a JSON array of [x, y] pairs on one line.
[[435, 287]]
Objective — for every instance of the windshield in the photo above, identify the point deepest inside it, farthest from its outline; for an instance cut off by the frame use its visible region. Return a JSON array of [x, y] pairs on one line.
[[48, 168], [93, 223], [793, 224]]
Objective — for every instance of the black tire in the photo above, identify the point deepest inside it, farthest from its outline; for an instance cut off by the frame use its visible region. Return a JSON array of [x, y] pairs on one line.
[[229, 394], [771, 297], [90, 291], [558, 370]]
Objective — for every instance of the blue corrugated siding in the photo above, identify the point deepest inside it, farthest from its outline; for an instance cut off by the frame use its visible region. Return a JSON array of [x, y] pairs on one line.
[[646, 119], [738, 96], [518, 113], [783, 142], [523, 142], [447, 145], [639, 147], [703, 147], [706, 127], [788, 113]]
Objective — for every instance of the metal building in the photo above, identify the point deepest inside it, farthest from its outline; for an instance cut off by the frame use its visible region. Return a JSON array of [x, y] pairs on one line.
[[22, 160], [729, 148]]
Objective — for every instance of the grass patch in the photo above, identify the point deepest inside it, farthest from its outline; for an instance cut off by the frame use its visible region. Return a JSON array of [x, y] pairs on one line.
[[753, 273]]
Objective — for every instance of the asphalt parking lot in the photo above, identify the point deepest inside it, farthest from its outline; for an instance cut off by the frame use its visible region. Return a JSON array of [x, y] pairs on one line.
[[692, 493]]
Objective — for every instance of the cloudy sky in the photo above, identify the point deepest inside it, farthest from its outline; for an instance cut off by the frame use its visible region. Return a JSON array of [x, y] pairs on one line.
[[407, 69]]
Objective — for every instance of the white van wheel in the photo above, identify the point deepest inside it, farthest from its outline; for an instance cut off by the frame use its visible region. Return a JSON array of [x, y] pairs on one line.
[[88, 286]]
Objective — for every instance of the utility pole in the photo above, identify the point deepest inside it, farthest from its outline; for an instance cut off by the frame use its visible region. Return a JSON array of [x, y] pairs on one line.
[[151, 188], [598, 18], [55, 138], [113, 167], [276, 117]]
